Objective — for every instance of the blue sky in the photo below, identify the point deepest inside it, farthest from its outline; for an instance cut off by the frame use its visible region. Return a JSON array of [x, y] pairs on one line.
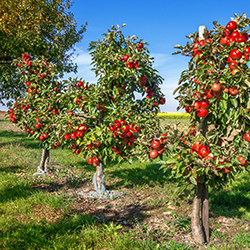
[[162, 24]]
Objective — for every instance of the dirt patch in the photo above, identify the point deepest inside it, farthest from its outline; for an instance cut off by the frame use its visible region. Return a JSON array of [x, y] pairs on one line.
[[166, 221], [6, 125], [51, 215], [3, 115]]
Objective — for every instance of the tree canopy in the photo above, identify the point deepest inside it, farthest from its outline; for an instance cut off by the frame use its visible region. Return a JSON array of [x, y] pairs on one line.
[[40, 28]]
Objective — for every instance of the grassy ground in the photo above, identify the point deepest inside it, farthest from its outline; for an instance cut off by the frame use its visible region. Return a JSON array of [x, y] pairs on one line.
[[46, 212]]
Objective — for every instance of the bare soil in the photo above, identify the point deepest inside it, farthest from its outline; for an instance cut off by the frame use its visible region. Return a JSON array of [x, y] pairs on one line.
[[8, 126]]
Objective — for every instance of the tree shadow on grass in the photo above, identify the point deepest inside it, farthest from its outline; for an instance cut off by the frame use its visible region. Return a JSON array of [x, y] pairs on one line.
[[14, 191], [44, 235], [231, 203], [76, 229], [23, 139], [150, 174], [11, 169]]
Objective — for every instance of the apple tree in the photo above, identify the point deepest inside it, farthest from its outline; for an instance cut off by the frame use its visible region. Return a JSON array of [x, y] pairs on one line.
[[214, 90], [45, 105], [119, 112]]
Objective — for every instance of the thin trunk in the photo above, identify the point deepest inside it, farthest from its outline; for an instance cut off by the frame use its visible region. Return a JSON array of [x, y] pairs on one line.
[[197, 229], [205, 211], [46, 163], [99, 179], [44, 160], [200, 228]]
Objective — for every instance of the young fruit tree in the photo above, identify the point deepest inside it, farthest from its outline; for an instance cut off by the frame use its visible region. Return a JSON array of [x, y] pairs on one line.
[[214, 90], [116, 117], [45, 105]]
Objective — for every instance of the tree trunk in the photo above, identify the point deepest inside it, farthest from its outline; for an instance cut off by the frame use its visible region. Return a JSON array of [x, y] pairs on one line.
[[197, 229], [205, 211], [99, 180], [200, 227], [44, 161]]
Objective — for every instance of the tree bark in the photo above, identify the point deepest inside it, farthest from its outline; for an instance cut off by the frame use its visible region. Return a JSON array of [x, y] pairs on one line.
[[44, 160], [200, 214], [99, 179], [197, 229], [205, 212]]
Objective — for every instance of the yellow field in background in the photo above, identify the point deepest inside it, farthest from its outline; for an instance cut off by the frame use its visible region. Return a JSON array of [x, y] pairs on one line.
[[173, 114]]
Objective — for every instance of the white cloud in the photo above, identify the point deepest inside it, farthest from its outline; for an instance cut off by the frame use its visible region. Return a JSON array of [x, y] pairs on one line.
[[82, 58], [160, 59]]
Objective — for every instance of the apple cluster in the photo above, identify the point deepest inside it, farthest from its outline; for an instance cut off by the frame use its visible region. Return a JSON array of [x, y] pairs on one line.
[[157, 146], [204, 154], [201, 108], [40, 106], [152, 100], [134, 64], [126, 135], [12, 116], [238, 55], [71, 137], [93, 161]]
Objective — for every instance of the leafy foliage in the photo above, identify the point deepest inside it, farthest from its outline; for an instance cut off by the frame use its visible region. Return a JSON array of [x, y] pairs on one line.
[[101, 121], [40, 28], [215, 92]]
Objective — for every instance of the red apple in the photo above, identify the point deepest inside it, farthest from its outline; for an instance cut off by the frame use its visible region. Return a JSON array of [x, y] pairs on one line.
[[204, 150], [153, 154], [204, 103], [202, 112], [156, 144]]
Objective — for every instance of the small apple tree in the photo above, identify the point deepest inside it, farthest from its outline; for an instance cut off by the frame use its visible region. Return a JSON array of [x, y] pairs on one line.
[[214, 90], [45, 105], [117, 124]]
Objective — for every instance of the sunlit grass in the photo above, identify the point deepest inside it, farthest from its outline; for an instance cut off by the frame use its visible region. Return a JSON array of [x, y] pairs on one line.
[[33, 217]]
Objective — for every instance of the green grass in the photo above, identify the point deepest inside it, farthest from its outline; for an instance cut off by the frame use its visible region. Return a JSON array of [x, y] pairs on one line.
[[38, 212], [234, 200]]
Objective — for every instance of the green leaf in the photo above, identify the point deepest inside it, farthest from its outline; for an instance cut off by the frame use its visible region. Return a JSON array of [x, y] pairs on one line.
[[192, 179], [234, 102], [178, 46], [176, 52], [223, 104], [247, 83], [248, 103]]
